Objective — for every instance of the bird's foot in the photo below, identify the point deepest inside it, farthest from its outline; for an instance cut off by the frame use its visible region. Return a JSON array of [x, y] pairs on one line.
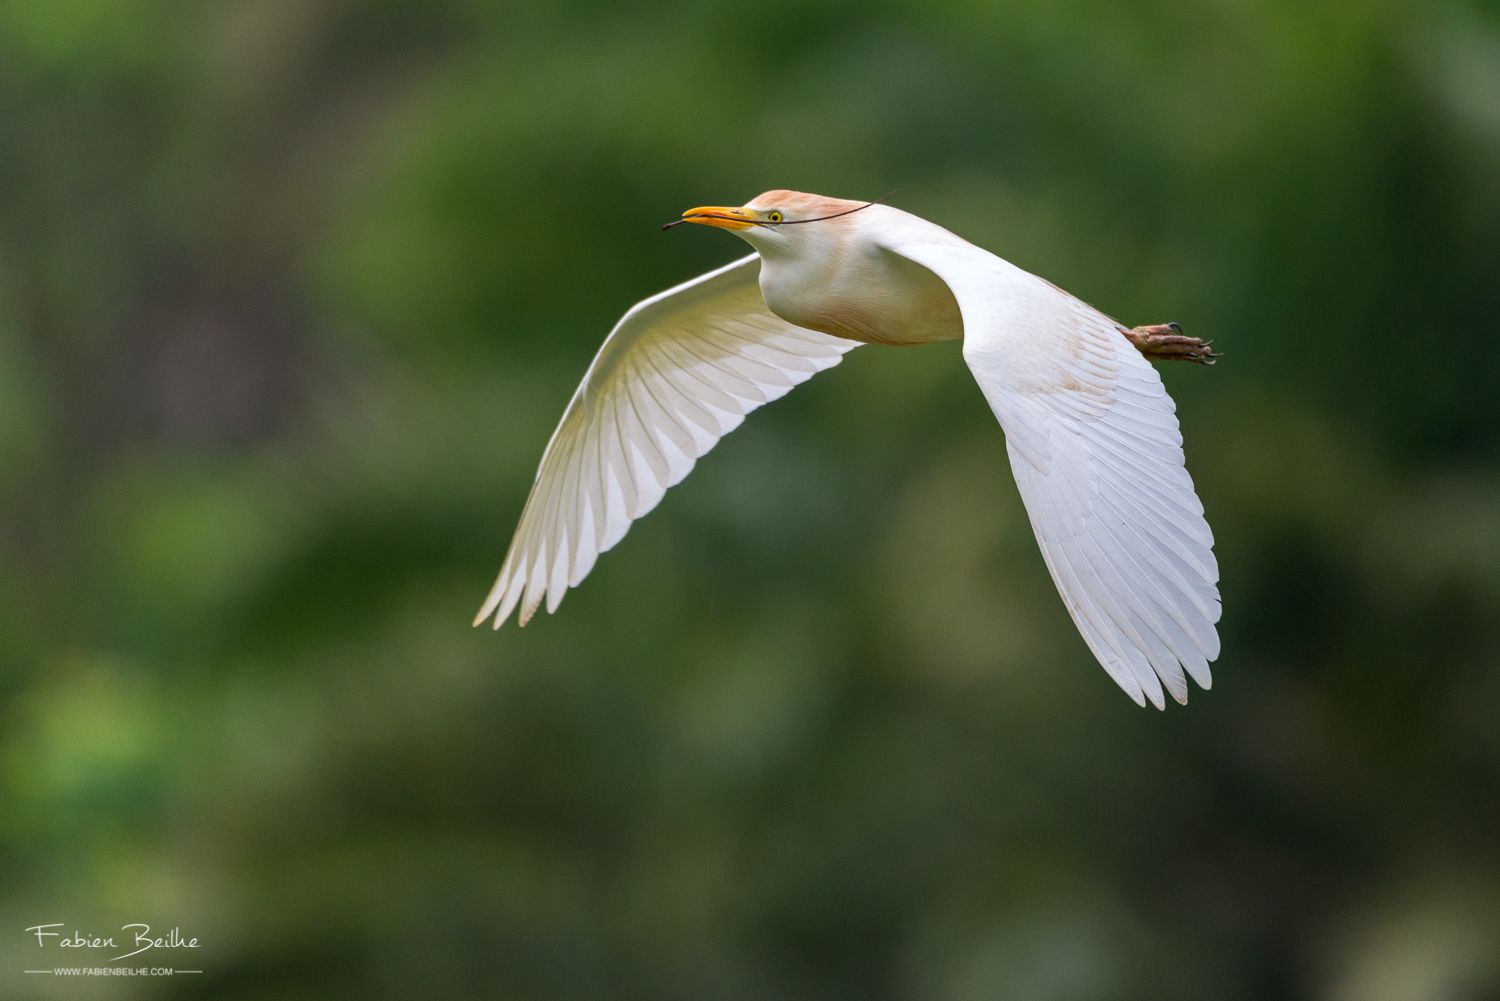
[[1167, 342]]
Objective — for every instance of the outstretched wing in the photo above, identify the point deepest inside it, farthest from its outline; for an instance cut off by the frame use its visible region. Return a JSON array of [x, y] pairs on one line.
[[1097, 455], [678, 372]]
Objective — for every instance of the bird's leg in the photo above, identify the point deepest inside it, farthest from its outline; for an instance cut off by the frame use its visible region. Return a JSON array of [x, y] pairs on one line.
[[1167, 342]]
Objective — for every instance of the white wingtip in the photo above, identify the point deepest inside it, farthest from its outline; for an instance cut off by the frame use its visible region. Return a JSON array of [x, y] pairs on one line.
[[488, 608], [528, 610], [493, 599]]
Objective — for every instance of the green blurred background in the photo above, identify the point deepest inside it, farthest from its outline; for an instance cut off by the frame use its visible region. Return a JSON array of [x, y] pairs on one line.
[[293, 291]]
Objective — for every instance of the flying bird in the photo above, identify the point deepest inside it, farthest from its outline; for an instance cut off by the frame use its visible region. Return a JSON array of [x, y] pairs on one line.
[[1091, 433]]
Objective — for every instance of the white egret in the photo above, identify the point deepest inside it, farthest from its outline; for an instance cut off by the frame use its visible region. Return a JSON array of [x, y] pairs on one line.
[[1093, 440]]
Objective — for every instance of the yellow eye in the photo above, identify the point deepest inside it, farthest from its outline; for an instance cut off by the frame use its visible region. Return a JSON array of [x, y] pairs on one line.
[[775, 215]]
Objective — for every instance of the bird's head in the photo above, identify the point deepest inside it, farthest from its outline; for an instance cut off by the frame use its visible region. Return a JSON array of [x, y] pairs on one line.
[[777, 223]]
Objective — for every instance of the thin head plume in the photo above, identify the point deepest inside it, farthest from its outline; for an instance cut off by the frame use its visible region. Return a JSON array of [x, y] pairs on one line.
[[797, 222]]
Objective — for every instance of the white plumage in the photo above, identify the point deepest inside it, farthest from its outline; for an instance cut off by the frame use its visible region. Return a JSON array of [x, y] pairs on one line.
[[679, 371], [1092, 435]]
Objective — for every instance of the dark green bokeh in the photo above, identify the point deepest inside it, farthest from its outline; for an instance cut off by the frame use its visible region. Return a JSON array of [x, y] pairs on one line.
[[292, 292]]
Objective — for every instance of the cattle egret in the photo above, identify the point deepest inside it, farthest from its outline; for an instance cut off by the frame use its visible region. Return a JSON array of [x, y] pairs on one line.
[[1092, 435]]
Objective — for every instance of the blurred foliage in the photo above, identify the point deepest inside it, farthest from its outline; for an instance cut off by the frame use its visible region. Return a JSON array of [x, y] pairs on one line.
[[292, 291]]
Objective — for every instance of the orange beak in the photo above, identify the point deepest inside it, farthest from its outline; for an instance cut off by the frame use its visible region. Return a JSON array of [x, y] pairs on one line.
[[722, 216]]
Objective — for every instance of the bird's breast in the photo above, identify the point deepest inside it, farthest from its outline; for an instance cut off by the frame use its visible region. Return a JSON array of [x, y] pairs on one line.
[[878, 298]]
